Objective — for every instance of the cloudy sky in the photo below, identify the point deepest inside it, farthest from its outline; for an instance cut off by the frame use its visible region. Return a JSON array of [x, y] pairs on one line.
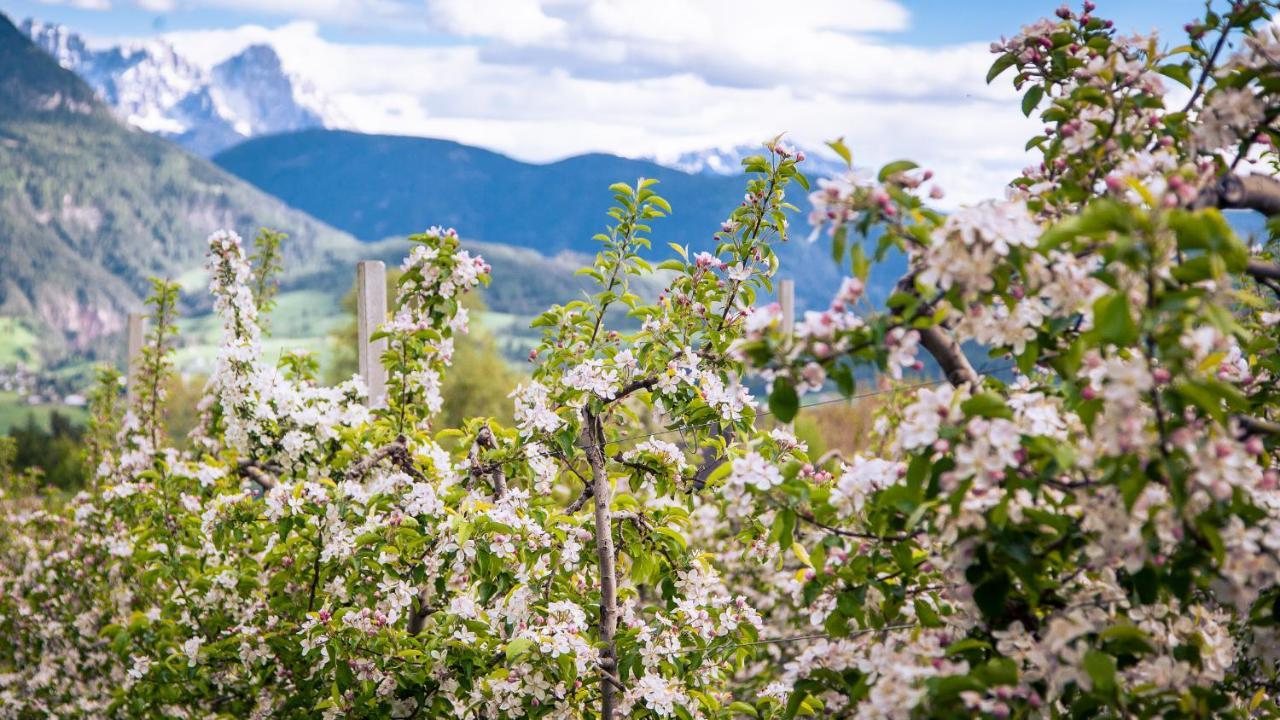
[[543, 79]]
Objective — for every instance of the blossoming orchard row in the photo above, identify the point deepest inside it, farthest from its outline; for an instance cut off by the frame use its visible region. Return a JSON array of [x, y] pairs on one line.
[[1097, 536]]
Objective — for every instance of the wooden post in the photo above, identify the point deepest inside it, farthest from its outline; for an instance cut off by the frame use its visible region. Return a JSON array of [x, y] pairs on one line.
[[787, 299], [135, 331], [371, 311]]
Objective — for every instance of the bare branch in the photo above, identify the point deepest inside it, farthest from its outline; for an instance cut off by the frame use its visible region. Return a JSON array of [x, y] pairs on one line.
[[809, 518], [1243, 192], [257, 472], [360, 468], [576, 505], [634, 387], [940, 344], [1264, 271], [949, 355], [497, 478], [1256, 426]]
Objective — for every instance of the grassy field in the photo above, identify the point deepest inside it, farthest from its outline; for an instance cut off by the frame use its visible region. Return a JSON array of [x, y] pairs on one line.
[[17, 344], [15, 411], [301, 320]]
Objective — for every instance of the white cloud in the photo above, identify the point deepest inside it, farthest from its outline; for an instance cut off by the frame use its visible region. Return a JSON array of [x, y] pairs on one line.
[[560, 77], [516, 21], [156, 5], [81, 4], [395, 15]]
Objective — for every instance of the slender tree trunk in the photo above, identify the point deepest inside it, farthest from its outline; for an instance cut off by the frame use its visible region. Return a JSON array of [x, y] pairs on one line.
[[603, 496]]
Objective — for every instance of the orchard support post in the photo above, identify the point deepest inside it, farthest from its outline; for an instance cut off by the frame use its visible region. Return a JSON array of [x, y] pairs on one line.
[[135, 332], [371, 311], [787, 300]]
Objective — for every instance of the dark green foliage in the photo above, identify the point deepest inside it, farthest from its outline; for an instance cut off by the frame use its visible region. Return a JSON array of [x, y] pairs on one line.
[[57, 451]]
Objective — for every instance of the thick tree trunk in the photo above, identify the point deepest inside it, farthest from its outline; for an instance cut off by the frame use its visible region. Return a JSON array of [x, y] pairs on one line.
[[602, 495]]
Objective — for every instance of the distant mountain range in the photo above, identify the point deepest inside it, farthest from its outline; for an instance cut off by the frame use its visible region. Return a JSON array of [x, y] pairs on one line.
[[150, 85], [375, 186], [90, 208]]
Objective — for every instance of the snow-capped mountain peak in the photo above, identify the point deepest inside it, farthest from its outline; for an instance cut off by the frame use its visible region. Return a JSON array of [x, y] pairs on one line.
[[727, 160], [153, 87]]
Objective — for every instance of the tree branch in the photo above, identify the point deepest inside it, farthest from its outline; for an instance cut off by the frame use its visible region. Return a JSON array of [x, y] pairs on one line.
[[257, 472], [1243, 192], [576, 505], [635, 386], [497, 478], [940, 344], [360, 468], [1255, 426], [418, 616], [949, 355], [1263, 270], [809, 518]]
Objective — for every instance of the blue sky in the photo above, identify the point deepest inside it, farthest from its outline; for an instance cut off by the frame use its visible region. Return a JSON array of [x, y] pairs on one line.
[[932, 22], [543, 79]]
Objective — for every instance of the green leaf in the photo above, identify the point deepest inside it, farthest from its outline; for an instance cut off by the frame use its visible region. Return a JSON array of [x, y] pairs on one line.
[[1177, 72], [784, 526], [926, 615], [861, 266], [986, 404], [1113, 321], [1102, 670], [967, 645], [784, 403], [842, 150], [518, 648], [895, 167], [1002, 63], [1032, 99], [1126, 639]]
